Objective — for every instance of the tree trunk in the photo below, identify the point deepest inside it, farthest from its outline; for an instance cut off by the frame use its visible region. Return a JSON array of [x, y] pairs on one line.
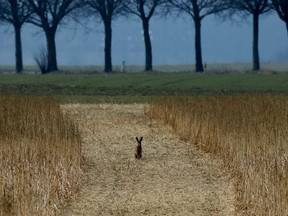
[[256, 61], [148, 46], [18, 49], [51, 50], [198, 49], [108, 45]]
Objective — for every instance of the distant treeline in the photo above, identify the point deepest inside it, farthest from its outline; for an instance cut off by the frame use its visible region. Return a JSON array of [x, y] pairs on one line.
[[51, 14]]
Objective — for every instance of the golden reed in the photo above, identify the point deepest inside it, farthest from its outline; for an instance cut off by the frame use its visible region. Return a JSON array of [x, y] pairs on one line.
[[250, 134], [40, 156]]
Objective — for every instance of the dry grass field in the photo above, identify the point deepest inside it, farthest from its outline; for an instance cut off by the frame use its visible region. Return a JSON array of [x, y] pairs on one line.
[[40, 156], [249, 133], [172, 178]]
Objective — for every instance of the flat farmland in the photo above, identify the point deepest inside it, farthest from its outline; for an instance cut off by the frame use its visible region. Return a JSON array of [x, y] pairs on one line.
[[139, 87]]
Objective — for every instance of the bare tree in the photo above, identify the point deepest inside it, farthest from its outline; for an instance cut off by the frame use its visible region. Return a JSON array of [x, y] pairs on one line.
[[198, 10], [107, 10], [48, 16], [281, 7], [145, 9], [15, 12], [255, 8]]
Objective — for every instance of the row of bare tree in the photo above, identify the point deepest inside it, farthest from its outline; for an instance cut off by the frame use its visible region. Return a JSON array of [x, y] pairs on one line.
[[50, 14]]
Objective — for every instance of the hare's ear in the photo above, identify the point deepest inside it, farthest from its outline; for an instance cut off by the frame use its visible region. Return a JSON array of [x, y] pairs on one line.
[[139, 140]]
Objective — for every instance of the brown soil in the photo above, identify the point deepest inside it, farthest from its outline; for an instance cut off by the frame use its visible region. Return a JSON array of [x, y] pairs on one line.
[[172, 178]]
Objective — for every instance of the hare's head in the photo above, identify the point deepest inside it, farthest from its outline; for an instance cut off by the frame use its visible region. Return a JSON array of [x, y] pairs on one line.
[[139, 141]]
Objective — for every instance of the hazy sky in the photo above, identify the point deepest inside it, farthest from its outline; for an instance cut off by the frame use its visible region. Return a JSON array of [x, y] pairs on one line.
[[172, 42]]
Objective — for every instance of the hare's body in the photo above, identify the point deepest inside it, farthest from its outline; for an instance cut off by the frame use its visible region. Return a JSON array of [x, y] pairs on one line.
[[138, 150]]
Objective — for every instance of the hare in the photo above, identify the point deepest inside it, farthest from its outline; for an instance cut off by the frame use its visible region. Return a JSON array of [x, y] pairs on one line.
[[138, 150]]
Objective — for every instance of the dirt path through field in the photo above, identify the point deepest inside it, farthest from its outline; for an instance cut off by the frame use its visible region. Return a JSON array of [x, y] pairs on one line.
[[173, 178]]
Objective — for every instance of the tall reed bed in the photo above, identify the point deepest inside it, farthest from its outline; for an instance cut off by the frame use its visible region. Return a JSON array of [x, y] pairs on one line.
[[40, 156], [249, 132]]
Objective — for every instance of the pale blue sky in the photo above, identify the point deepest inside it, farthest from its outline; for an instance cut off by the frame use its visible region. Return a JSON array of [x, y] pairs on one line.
[[172, 42]]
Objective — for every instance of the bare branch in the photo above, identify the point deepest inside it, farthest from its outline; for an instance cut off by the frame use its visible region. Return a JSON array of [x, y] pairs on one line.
[[144, 9], [14, 12]]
